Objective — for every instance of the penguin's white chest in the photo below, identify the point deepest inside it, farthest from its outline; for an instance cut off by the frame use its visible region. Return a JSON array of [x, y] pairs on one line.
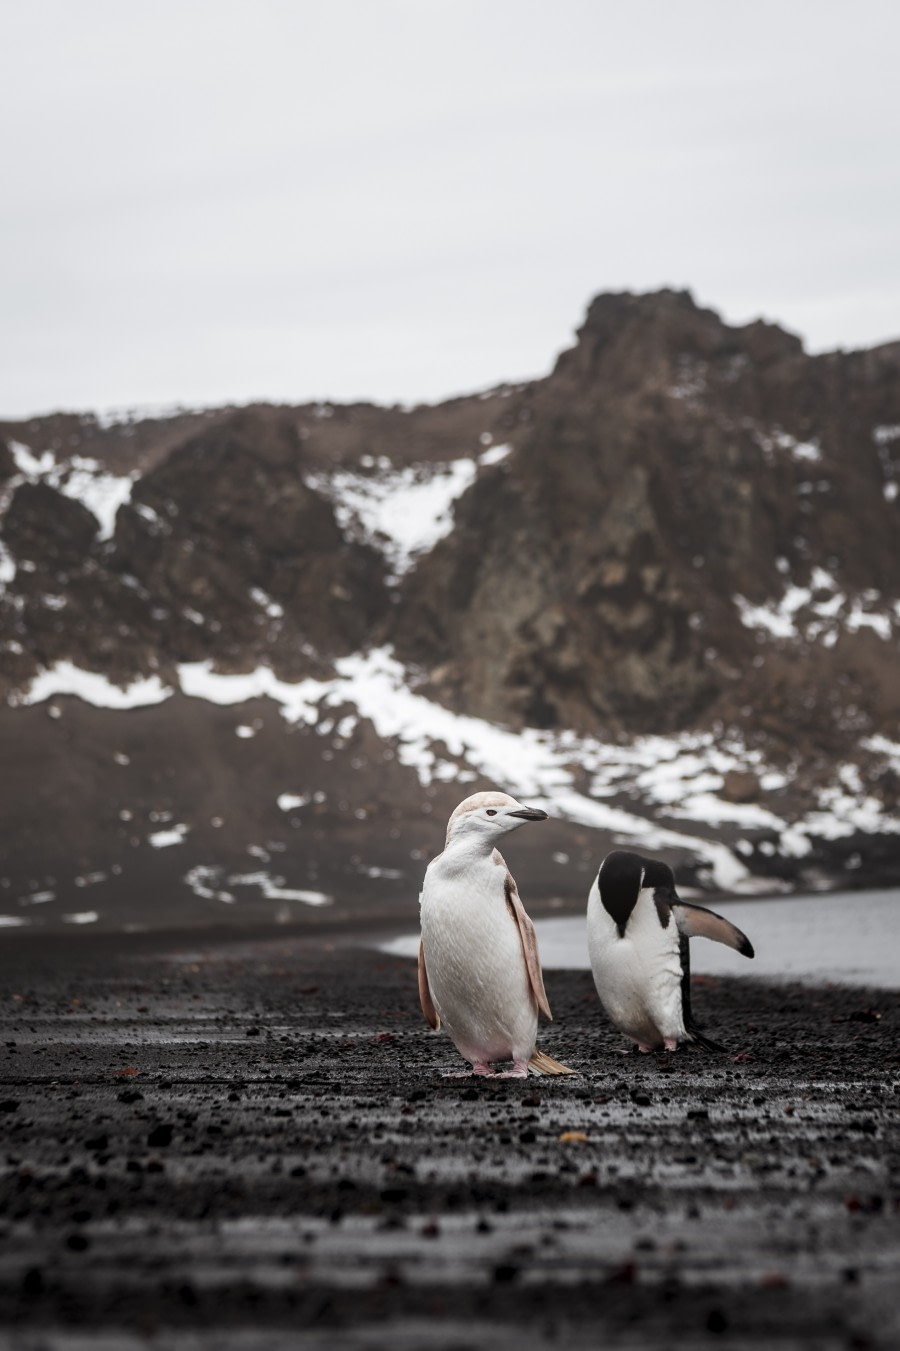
[[473, 954], [638, 976]]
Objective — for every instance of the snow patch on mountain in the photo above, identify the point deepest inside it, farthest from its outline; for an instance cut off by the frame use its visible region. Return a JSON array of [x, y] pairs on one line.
[[126, 416], [274, 889], [401, 512], [93, 688], [820, 611], [164, 839], [81, 479], [777, 440]]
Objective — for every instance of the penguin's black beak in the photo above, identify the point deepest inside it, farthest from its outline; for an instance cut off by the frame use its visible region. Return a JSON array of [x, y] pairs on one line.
[[531, 814]]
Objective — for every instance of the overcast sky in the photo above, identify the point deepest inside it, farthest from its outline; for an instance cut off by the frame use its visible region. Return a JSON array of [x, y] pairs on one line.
[[209, 200]]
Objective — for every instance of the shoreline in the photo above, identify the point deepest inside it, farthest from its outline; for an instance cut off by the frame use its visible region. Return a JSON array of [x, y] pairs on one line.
[[315, 922], [789, 950]]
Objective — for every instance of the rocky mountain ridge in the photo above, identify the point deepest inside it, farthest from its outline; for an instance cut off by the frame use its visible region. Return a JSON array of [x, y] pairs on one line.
[[678, 478], [678, 549]]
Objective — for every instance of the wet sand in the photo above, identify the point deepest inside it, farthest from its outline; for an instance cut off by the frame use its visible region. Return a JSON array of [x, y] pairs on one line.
[[249, 1144]]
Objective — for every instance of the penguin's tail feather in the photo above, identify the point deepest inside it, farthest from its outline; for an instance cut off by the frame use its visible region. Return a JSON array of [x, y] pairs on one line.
[[692, 1030], [698, 1039], [542, 1063]]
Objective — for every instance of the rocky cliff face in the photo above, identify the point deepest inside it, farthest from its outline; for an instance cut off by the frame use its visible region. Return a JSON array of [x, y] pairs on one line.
[[685, 532], [678, 478], [221, 550]]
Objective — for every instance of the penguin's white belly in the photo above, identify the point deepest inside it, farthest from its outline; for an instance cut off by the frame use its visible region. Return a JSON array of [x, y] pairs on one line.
[[638, 977], [476, 967]]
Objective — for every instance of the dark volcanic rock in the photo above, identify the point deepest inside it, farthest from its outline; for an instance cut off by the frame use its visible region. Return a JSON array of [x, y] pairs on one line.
[[230, 513], [224, 553], [740, 786], [47, 530], [327, 1183], [7, 464]]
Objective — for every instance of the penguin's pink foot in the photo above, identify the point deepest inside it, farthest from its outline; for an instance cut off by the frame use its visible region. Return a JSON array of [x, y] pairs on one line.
[[480, 1067], [644, 1050], [671, 1044], [518, 1071]]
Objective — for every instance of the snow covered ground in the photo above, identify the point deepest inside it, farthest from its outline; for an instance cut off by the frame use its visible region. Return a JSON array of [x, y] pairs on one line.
[[677, 777]]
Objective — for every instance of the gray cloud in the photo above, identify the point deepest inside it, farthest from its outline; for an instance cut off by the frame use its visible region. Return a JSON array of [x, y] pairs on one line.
[[209, 201]]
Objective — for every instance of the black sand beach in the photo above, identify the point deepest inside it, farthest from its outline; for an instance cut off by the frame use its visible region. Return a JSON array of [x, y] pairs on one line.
[[248, 1143]]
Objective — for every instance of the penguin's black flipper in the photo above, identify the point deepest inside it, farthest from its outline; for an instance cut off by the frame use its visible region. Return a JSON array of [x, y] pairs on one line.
[[695, 921], [695, 1036]]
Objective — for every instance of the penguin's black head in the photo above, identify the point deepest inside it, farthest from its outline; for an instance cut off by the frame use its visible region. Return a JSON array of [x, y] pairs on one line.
[[621, 879]]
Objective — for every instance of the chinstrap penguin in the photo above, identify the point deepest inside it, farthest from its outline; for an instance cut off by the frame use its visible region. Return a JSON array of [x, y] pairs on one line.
[[479, 968], [639, 933]]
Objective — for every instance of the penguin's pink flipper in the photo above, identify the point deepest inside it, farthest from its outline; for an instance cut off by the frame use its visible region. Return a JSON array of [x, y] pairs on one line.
[[529, 944], [432, 1017]]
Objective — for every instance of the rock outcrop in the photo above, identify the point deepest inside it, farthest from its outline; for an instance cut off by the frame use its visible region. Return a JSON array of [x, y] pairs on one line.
[[676, 473]]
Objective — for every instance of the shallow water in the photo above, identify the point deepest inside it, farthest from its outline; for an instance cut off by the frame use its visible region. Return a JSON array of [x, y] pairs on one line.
[[852, 938]]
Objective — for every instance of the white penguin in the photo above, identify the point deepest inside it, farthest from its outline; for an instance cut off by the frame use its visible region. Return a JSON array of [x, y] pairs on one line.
[[479, 969], [639, 933]]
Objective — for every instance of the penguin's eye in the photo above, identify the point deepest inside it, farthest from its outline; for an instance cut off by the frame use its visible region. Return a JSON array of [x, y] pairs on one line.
[[491, 811]]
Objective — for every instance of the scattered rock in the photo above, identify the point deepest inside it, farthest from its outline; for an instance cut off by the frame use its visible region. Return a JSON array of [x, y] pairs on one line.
[[740, 785]]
